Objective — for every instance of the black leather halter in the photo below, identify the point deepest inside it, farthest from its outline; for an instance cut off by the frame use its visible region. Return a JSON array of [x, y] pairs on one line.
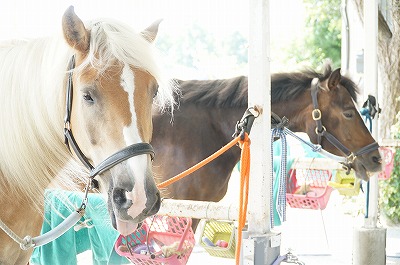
[[118, 157], [321, 131]]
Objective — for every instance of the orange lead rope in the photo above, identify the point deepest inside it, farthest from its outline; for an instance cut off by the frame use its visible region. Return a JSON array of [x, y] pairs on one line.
[[199, 165], [244, 180], [244, 190]]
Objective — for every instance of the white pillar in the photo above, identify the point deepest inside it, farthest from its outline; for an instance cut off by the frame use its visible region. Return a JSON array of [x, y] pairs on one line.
[[260, 246], [371, 87], [369, 247]]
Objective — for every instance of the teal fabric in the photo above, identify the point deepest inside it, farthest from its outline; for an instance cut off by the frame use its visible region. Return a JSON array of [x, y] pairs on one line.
[[277, 150], [100, 238]]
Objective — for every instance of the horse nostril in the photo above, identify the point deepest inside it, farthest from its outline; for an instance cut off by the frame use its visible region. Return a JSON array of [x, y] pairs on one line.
[[119, 198], [377, 160]]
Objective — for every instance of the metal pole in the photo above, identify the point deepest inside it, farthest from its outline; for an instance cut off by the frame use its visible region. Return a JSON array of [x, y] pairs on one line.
[[371, 87], [369, 246], [199, 209], [260, 246]]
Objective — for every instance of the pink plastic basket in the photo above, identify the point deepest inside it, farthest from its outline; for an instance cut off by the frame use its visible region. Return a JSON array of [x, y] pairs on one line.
[[388, 160], [169, 239], [317, 192]]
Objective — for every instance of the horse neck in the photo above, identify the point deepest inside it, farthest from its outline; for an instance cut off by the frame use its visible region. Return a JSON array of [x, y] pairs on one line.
[[227, 118], [31, 136]]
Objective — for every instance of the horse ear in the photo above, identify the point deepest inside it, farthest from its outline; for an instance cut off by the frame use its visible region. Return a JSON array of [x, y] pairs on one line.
[[334, 79], [75, 33], [150, 33]]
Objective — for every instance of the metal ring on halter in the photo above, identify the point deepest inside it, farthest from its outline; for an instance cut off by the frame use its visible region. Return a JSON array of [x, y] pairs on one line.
[[350, 158], [85, 199], [319, 132], [316, 114]]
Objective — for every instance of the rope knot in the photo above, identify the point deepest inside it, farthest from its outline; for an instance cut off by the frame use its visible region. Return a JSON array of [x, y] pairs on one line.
[[245, 139], [278, 122], [26, 243]]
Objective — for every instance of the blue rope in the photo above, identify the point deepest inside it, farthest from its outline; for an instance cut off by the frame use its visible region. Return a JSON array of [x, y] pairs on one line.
[[281, 197], [281, 133], [365, 112]]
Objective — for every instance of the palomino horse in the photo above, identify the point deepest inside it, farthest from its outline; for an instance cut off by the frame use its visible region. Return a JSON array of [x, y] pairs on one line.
[[210, 109], [115, 77]]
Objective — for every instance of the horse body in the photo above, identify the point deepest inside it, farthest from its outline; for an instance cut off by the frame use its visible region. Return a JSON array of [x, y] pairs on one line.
[[115, 78], [198, 130], [208, 113]]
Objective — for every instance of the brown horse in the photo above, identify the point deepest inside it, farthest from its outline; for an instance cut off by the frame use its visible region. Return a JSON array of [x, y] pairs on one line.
[[107, 74], [209, 110]]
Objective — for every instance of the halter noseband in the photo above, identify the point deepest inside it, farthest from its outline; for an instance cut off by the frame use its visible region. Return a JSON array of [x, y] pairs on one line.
[[321, 131], [116, 158]]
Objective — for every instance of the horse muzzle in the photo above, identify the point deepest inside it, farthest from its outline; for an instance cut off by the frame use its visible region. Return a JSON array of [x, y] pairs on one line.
[[122, 210], [367, 163]]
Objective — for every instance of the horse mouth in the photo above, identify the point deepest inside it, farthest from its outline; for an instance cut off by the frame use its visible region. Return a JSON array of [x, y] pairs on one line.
[[363, 171], [125, 226]]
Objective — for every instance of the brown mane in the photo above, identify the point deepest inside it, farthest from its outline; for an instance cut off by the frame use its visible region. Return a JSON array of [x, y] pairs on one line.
[[224, 93]]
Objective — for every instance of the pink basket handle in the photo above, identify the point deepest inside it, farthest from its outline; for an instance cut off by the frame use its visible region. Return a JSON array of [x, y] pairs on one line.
[[189, 225]]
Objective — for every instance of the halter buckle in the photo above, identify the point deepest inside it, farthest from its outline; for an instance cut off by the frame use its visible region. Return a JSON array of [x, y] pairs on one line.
[[316, 114], [67, 125], [320, 132]]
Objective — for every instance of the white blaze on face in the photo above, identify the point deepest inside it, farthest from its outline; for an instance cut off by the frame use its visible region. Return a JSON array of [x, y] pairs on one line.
[[137, 164]]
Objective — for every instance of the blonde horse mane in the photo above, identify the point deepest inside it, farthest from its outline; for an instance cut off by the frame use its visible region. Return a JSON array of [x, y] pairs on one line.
[[32, 88]]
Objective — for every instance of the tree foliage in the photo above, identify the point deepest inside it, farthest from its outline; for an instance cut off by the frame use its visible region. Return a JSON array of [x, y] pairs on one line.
[[322, 37], [200, 50]]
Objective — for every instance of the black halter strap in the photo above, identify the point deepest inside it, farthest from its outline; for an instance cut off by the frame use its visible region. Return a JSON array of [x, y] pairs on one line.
[[321, 131], [118, 157]]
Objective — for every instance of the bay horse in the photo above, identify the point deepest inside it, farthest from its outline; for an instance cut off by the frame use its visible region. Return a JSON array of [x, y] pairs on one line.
[[97, 81], [209, 110]]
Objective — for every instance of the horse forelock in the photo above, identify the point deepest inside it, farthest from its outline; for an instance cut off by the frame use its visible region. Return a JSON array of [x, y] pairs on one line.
[[112, 40]]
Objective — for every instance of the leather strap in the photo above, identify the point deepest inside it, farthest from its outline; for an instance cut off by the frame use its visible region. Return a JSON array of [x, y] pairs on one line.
[[122, 155]]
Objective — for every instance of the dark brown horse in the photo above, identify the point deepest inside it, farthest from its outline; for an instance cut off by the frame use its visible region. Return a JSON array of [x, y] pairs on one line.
[[210, 109]]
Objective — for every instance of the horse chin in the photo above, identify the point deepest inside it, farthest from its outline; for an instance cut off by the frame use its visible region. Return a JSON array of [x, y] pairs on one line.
[[124, 227], [361, 173]]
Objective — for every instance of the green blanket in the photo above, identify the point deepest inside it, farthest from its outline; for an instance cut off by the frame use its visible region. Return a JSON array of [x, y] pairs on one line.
[[99, 238]]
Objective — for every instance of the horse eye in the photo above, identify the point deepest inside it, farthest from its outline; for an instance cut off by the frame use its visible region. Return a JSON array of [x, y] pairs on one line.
[[348, 114], [155, 91], [87, 97]]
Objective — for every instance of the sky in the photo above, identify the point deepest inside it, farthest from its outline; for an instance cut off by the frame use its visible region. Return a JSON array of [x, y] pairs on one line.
[[30, 19]]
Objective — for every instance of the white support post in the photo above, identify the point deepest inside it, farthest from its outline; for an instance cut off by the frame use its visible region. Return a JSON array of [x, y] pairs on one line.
[[371, 87], [369, 246], [260, 246]]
